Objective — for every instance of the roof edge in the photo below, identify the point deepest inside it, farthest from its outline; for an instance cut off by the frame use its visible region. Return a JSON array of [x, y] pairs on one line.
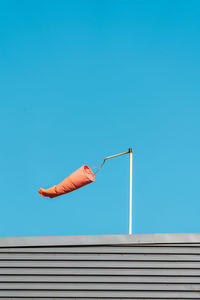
[[84, 240]]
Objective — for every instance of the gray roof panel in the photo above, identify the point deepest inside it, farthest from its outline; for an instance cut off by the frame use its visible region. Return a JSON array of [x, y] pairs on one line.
[[100, 240]]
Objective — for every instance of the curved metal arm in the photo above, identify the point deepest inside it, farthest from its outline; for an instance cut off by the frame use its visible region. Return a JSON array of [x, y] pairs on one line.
[[117, 154]]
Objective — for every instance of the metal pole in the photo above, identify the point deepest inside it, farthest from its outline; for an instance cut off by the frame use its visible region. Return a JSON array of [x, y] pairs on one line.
[[130, 182], [130, 189]]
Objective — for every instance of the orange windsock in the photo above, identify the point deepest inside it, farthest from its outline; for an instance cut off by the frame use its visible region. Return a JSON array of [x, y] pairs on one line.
[[76, 180]]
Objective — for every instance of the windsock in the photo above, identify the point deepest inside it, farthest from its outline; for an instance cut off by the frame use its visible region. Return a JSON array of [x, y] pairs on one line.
[[76, 180]]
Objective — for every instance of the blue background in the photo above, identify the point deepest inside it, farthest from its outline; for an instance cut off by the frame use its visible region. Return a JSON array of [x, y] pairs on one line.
[[81, 80]]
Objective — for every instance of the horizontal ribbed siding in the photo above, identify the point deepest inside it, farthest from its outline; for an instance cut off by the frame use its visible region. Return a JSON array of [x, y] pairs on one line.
[[138, 271]]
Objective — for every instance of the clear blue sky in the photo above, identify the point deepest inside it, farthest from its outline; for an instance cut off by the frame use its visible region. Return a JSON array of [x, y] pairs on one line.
[[80, 80]]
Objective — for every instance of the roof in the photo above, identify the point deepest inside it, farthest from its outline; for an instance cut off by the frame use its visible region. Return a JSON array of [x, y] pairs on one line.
[[99, 240], [138, 266]]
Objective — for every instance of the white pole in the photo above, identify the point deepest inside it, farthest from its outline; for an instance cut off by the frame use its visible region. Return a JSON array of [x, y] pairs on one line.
[[130, 182], [130, 189]]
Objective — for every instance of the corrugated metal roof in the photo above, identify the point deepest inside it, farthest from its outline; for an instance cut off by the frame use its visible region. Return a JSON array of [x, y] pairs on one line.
[[155, 266]]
